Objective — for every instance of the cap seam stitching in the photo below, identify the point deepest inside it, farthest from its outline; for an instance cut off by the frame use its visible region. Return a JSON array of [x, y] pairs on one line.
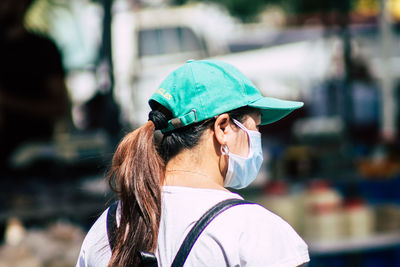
[[241, 86], [198, 92]]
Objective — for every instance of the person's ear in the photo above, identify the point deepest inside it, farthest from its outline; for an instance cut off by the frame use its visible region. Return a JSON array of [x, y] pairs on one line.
[[221, 128]]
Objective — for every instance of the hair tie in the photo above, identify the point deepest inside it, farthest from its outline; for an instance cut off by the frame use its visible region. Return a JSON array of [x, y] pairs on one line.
[[158, 137]]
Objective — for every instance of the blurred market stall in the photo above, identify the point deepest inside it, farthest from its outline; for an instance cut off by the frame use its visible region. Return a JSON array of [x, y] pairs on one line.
[[331, 170]]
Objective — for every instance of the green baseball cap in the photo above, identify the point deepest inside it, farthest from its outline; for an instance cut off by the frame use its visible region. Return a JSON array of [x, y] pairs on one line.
[[199, 90]]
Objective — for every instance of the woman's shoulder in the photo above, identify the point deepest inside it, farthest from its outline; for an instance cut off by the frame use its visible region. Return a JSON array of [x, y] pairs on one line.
[[263, 238], [252, 214], [245, 234], [95, 250], [98, 229]]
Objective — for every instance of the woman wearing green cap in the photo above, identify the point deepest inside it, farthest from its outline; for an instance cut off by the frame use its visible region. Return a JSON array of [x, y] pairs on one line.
[[202, 137]]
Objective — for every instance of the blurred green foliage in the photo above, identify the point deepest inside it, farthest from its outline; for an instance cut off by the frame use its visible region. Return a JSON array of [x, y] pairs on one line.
[[311, 6], [248, 10], [243, 9]]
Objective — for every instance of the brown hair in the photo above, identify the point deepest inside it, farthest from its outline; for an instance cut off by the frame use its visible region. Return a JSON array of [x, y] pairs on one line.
[[136, 174]]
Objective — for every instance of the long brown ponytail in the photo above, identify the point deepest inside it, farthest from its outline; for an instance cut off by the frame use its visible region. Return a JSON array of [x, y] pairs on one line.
[[137, 174]]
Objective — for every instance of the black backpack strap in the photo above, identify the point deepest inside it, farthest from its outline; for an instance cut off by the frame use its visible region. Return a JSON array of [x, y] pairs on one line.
[[200, 225], [112, 224], [148, 259]]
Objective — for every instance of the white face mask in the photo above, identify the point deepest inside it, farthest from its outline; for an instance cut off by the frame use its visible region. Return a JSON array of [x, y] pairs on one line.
[[243, 170]]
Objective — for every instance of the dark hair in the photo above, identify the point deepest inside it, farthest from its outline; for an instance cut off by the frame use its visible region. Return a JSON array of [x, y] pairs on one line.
[[137, 173]]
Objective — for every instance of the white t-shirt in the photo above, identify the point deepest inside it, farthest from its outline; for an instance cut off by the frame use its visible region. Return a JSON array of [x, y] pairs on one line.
[[244, 235]]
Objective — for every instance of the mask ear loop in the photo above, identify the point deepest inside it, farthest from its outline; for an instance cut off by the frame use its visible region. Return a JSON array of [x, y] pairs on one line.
[[241, 126], [247, 131]]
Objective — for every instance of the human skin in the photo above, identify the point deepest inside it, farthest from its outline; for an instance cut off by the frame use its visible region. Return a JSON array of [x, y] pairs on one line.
[[204, 166]]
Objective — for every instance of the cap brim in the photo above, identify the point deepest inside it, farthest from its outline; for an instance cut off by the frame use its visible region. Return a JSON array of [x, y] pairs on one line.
[[273, 109]]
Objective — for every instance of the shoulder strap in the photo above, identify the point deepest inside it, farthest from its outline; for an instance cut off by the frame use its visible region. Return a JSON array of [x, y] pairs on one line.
[[199, 227], [112, 224], [191, 237], [147, 259]]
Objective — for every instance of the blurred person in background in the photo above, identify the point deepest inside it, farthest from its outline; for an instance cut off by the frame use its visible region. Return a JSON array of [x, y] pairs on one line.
[[202, 137], [33, 97], [355, 99], [365, 103]]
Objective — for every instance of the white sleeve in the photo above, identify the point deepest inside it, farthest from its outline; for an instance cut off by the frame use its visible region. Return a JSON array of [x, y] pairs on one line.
[[95, 250], [268, 240], [81, 260]]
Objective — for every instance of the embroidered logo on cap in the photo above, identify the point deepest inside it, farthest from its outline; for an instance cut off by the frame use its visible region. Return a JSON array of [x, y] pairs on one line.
[[164, 93]]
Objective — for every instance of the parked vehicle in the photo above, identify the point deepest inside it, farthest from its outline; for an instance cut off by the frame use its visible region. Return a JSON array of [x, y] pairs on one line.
[[148, 44]]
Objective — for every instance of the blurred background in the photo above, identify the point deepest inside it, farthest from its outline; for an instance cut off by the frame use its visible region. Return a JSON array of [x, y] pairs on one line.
[[75, 76]]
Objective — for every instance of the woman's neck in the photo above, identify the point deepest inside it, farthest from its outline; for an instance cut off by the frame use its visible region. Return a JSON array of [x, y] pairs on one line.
[[191, 168]]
